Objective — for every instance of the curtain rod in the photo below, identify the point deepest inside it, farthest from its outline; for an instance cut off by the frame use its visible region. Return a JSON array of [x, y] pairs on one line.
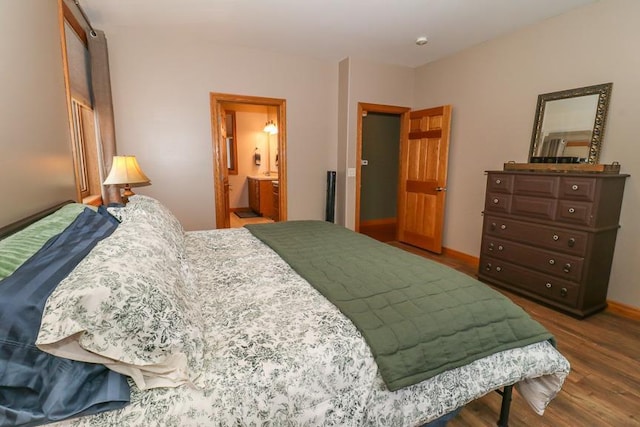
[[92, 32]]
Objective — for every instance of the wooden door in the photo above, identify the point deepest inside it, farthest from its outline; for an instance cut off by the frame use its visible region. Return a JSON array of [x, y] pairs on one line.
[[423, 177]]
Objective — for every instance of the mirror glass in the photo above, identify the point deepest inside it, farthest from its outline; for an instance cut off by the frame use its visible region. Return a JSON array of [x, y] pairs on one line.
[[569, 125], [232, 146]]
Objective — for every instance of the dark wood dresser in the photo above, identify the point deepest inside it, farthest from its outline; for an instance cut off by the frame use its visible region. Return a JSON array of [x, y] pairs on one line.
[[551, 236]]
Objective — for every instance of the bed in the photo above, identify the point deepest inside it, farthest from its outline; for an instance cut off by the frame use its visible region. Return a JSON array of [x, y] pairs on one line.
[[152, 325]]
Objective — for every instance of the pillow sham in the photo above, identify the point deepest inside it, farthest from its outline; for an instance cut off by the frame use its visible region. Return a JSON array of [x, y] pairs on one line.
[[145, 209], [149, 210], [36, 387], [127, 306], [19, 247]]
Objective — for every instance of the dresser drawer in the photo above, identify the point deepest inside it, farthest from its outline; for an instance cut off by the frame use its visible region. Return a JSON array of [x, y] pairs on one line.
[[564, 266], [498, 202], [575, 212], [499, 183], [537, 283], [535, 185], [554, 238], [536, 207], [577, 188]]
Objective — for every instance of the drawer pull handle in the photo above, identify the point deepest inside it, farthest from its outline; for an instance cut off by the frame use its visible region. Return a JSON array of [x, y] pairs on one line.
[[498, 269], [496, 201], [488, 266], [552, 261], [574, 187], [498, 181], [548, 285], [571, 210], [571, 242], [500, 247], [567, 268], [490, 246], [493, 225], [504, 227], [556, 237], [564, 292]]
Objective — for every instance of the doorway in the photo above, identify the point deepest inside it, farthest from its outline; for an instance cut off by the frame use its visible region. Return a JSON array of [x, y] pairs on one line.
[[267, 154], [423, 162], [379, 174], [380, 130]]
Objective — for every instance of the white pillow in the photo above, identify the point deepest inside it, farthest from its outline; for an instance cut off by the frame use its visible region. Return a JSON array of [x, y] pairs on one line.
[[127, 305]]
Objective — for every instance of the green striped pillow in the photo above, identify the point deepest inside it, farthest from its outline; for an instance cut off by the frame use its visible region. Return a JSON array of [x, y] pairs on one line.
[[19, 247]]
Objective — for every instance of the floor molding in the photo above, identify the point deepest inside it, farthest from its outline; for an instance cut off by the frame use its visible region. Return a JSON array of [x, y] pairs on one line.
[[383, 230], [623, 310], [472, 261]]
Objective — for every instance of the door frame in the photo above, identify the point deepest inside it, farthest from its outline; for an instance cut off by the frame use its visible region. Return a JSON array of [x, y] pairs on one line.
[[363, 107], [219, 161]]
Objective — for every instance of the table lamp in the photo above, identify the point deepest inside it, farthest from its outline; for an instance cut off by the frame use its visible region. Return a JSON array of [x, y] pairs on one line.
[[126, 171]]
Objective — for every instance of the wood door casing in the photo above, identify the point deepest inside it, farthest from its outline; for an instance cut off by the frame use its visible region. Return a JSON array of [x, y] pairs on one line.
[[423, 176], [221, 186], [363, 107]]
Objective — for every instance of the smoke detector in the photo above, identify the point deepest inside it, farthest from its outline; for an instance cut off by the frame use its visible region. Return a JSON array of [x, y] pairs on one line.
[[422, 40]]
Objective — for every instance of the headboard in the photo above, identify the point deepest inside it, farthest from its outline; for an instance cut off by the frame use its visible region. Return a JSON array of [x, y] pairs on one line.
[[25, 222]]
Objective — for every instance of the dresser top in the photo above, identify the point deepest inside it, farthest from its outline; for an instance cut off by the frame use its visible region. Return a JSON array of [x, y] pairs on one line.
[[563, 174]]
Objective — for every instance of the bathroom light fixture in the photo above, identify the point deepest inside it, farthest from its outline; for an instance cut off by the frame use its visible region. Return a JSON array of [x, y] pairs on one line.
[[422, 40], [126, 170], [270, 128]]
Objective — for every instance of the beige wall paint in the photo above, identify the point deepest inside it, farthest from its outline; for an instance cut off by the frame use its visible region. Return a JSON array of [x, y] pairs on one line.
[[493, 88], [161, 84], [36, 170], [372, 83]]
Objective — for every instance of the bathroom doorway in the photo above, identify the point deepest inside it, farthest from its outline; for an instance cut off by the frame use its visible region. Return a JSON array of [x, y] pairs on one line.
[[265, 178]]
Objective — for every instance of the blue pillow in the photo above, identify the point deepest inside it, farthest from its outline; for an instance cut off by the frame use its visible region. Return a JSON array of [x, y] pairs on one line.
[[36, 387]]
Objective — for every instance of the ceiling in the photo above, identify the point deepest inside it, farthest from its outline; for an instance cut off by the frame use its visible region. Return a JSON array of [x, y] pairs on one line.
[[376, 30]]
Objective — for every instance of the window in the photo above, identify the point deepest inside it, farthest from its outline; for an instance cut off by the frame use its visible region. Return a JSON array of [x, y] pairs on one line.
[[232, 145], [85, 151]]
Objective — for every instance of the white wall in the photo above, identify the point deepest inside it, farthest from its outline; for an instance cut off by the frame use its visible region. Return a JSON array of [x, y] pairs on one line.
[[161, 84], [35, 146], [493, 88], [363, 81]]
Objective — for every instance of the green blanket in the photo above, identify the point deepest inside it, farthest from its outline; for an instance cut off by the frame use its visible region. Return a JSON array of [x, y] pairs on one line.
[[419, 318]]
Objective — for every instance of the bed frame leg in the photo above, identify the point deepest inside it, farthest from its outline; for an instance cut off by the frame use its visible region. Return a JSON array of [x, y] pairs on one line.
[[506, 405]]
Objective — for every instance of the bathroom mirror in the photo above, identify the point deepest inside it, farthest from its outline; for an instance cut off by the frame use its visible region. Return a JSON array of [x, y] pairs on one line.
[[569, 125], [232, 143]]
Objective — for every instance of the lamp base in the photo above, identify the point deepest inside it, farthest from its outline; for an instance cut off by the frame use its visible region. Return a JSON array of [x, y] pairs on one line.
[[126, 194]]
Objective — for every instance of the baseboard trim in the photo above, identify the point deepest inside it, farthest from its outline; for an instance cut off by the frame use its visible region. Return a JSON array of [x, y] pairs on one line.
[[623, 310], [374, 222], [469, 260], [383, 229]]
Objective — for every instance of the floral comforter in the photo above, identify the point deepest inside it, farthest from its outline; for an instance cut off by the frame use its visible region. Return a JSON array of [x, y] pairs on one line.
[[278, 353]]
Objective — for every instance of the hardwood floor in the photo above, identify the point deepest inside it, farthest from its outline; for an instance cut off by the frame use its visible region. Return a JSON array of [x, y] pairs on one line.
[[603, 388]]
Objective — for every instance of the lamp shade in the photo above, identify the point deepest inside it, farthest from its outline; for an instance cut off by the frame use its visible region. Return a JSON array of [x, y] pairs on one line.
[[125, 170]]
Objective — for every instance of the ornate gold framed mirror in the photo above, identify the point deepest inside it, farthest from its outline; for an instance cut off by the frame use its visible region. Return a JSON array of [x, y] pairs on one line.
[[569, 125]]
